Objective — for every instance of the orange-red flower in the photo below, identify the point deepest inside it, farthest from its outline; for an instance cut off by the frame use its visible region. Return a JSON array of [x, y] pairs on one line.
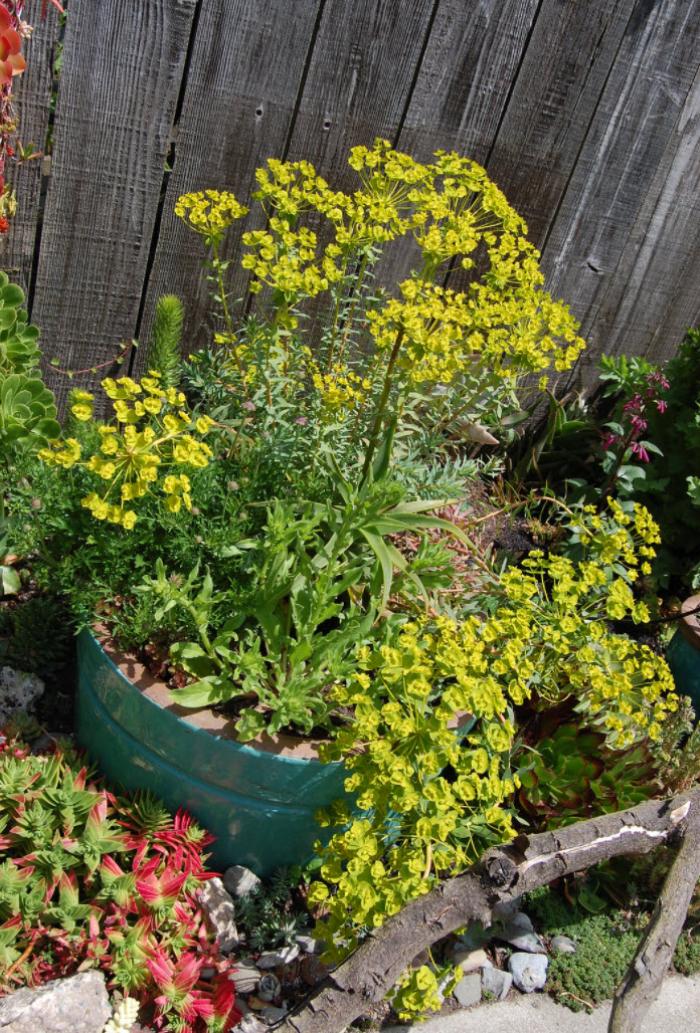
[[11, 61]]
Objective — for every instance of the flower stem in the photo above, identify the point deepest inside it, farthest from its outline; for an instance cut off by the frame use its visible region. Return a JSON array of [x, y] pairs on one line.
[[381, 405]]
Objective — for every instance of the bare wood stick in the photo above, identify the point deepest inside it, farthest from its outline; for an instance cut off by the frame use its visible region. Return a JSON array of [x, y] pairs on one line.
[[640, 987], [502, 874]]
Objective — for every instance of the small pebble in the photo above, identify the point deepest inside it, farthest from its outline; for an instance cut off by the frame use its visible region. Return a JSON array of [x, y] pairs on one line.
[[563, 945], [307, 944], [284, 956], [245, 978], [470, 961], [272, 1015]]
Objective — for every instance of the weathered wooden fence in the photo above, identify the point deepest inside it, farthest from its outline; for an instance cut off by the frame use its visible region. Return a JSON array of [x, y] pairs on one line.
[[586, 112]]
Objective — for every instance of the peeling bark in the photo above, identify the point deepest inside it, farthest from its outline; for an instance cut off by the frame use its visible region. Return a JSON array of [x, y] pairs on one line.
[[501, 875]]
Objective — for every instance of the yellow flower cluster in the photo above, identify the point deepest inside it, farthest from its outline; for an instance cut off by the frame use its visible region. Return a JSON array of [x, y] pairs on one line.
[[432, 796], [433, 793], [153, 431], [442, 333], [342, 389], [552, 637], [504, 325], [210, 212], [285, 259]]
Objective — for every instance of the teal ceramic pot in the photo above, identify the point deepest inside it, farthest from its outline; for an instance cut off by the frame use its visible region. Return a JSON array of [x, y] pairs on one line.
[[683, 653], [258, 801]]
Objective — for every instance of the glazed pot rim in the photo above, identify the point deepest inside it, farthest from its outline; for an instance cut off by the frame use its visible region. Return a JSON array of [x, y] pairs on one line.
[[206, 721]]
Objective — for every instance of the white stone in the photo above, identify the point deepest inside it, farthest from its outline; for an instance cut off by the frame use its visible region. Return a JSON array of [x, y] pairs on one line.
[[563, 945], [245, 978], [284, 956], [78, 1004], [470, 961], [221, 913], [496, 982]]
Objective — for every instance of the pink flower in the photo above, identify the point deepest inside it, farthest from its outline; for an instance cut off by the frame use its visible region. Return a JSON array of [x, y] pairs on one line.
[[661, 405], [640, 452], [608, 440], [639, 425]]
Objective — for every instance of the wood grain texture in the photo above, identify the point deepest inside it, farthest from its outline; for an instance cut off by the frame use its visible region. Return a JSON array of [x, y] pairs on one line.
[[122, 68], [359, 81], [32, 92], [653, 297], [607, 213], [247, 67], [465, 77], [569, 57]]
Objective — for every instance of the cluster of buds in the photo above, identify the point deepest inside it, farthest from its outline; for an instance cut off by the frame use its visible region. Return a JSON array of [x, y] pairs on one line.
[[634, 420]]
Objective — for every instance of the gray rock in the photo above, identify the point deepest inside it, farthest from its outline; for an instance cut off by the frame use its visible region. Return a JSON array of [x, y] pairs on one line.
[[19, 693], [272, 1015], [284, 956], [221, 912], [246, 978], [76, 1005], [563, 945], [519, 932], [504, 910], [308, 944], [468, 990], [269, 987], [240, 881], [496, 982], [529, 971]]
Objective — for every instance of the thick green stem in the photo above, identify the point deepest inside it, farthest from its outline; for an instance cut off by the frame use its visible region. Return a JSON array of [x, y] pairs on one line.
[[381, 405]]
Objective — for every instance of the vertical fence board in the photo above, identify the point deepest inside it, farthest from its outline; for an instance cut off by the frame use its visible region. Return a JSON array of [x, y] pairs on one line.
[[626, 148], [359, 81], [465, 77], [246, 70], [122, 66], [32, 92], [654, 296], [583, 113], [558, 87]]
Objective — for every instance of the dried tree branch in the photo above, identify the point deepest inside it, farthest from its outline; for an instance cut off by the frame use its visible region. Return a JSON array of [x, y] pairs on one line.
[[501, 875], [642, 983]]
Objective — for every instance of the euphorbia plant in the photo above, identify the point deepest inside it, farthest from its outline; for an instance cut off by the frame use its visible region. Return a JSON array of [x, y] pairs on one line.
[[325, 409]]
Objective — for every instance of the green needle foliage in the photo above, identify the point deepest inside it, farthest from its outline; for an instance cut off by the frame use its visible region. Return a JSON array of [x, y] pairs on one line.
[[163, 353]]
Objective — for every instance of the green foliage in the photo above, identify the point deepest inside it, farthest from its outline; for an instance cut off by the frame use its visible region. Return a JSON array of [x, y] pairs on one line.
[[605, 946], [27, 409], [163, 352], [36, 636], [570, 775], [268, 916], [686, 958]]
